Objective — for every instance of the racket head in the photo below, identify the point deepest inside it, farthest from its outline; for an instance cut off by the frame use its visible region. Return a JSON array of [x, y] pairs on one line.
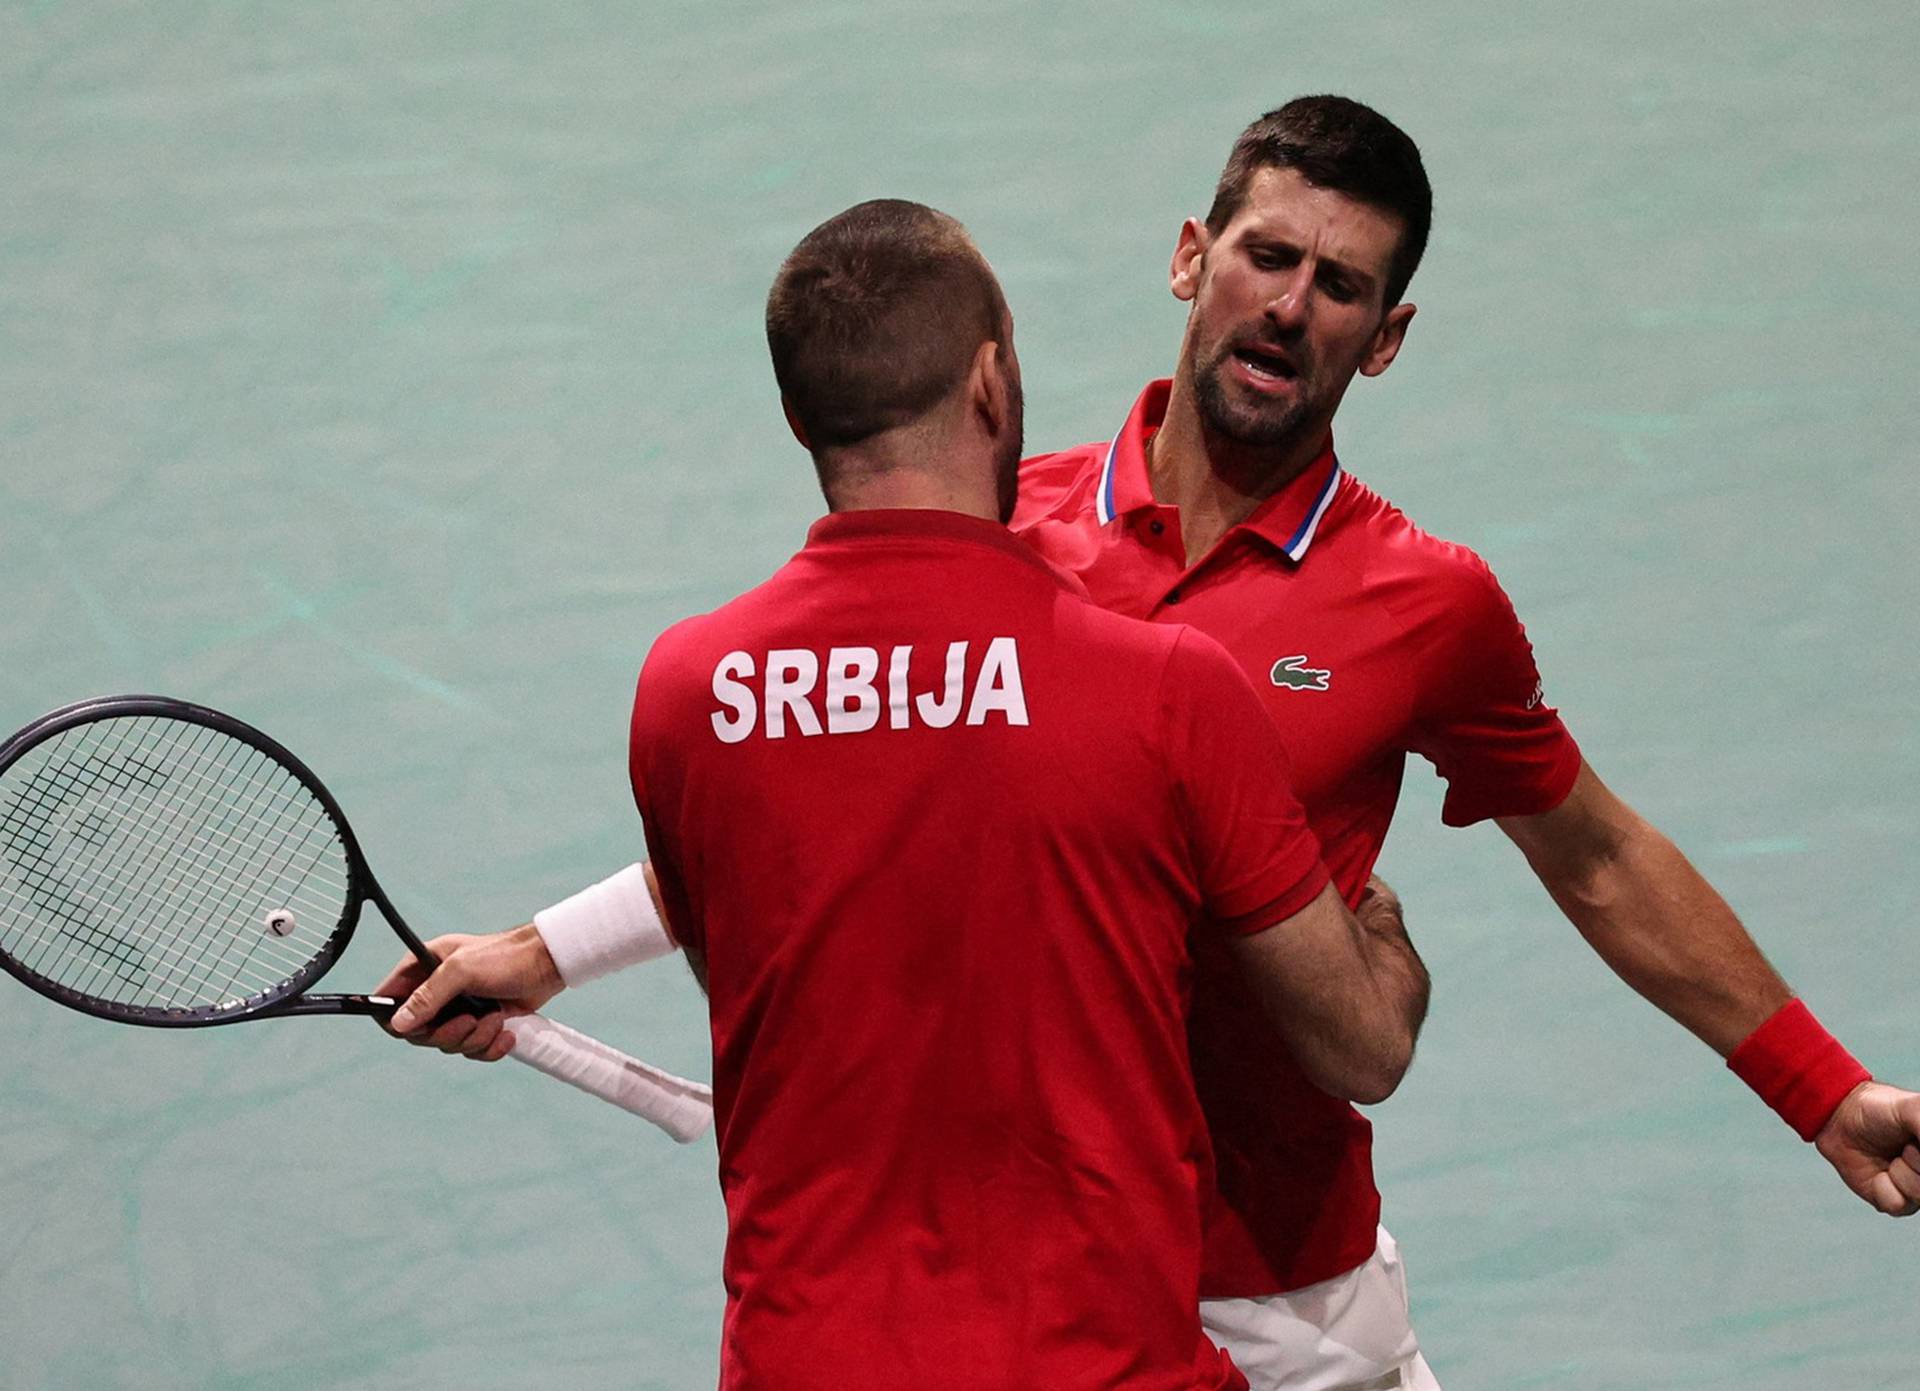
[[165, 864]]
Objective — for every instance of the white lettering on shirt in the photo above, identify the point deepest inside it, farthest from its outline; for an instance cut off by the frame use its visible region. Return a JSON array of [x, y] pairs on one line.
[[729, 690], [853, 706], [898, 710], [793, 696], [791, 672], [943, 712], [998, 687]]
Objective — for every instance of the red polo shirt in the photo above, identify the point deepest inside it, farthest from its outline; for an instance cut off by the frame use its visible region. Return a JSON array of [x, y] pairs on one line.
[[1367, 639], [941, 829]]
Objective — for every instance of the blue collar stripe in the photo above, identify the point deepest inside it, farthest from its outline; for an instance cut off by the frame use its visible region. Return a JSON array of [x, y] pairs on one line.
[[1297, 546], [1103, 502]]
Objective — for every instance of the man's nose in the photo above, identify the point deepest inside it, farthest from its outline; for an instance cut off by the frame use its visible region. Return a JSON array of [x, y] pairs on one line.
[[1293, 300]]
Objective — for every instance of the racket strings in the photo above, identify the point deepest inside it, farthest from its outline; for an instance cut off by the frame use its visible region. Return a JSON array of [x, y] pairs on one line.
[[119, 870], [53, 792], [146, 855], [216, 845], [282, 861], [30, 845], [137, 860], [192, 899], [192, 959]]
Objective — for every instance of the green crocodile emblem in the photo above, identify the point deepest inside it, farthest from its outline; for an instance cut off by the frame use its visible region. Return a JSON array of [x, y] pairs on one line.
[[1293, 674]]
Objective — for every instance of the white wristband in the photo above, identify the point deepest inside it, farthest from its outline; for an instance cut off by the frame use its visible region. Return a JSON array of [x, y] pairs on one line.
[[605, 928]]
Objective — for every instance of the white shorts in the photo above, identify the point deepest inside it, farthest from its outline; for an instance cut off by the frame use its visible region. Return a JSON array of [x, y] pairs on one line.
[[1350, 1333]]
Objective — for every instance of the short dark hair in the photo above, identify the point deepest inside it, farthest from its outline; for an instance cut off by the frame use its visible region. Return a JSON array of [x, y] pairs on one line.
[[875, 316], [1340, 144]]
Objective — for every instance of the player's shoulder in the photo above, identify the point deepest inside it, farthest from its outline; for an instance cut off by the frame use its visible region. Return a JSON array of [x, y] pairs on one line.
[[682, 658], [1112, 652], [1174, 660], [1058, 485], [1411, 566]]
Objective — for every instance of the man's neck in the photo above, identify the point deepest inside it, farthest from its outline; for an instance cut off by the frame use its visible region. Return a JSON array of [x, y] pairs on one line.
[[913, 474], [918, 495], [1216, 482]]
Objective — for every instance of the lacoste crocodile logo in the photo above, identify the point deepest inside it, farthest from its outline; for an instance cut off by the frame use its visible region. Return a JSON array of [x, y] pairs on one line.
[[1293, 674]]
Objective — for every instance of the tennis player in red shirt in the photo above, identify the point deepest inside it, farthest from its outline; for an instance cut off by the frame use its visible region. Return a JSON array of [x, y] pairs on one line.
[[1220, 503], [936, 830]]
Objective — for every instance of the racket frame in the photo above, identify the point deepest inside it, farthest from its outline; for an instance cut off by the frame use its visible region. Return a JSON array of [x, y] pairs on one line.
[[288, 996]]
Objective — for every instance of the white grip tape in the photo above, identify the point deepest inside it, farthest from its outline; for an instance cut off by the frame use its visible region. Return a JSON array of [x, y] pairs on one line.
[[681, 1108]]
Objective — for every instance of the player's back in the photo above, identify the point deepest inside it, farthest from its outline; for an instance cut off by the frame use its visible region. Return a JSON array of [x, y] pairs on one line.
[[912, 800]]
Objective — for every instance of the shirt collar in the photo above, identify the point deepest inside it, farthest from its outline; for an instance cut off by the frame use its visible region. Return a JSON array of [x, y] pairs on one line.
[[921, 524], [1288, 520]]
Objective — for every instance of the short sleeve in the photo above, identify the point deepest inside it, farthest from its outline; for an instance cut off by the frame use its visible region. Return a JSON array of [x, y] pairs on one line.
[[1255, 860], [653, 769], [1483, 720]]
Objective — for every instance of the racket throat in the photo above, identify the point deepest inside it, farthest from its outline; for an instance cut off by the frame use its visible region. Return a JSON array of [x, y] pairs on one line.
[[373, 1006]]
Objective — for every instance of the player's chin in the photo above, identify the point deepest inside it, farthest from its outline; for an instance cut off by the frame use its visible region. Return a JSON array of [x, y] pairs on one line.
[[1250, 409], [1259, 422]]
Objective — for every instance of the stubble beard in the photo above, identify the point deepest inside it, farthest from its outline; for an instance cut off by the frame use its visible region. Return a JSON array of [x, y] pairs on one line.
[[1007, 464], [1267, 427]]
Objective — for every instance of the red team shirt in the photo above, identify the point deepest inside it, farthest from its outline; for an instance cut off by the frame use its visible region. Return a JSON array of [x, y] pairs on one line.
[[1367, 639], [942, 829]]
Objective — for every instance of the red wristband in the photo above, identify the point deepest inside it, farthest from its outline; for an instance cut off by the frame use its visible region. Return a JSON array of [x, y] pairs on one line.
[[1797, 1067]]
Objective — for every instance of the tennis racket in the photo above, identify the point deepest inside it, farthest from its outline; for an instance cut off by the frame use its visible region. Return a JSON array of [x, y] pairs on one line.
[[165, 864]]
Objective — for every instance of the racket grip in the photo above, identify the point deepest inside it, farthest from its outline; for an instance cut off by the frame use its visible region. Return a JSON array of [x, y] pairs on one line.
[[681, 1108]]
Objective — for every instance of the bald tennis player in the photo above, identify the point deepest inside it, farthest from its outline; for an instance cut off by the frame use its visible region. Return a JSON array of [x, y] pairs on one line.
[[937, 832]]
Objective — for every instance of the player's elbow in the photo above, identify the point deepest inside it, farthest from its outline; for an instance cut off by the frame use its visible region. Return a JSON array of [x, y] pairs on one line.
[[1372, 1093], [1384, 1080], [1383, 1034], [1380, 1078], [1369, 1069]]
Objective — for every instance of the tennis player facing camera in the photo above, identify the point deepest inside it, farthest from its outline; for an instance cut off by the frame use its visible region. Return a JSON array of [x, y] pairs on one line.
[[935, 831], [1220, 503]]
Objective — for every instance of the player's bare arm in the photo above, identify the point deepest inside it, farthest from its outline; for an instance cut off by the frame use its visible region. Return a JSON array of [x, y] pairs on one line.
[[1384, 922], [1664, 930], [1650, 914], [1347, 991], [615, 923]]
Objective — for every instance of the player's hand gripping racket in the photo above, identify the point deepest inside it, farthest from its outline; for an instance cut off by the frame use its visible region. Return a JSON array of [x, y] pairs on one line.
[[164, 864]]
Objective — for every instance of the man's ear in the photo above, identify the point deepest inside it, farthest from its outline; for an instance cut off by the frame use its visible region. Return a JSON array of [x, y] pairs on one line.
[[1183, 276], [989, 388], [793, 423], [1386, 342]]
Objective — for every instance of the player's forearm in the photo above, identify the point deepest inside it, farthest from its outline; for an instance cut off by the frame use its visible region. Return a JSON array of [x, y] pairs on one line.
[[1346, 997], [1365, 1041], [1353, 1048], [1665, 931], [1401, 976]]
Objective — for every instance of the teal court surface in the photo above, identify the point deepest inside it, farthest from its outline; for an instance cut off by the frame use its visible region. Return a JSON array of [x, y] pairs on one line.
[[390, 374]]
